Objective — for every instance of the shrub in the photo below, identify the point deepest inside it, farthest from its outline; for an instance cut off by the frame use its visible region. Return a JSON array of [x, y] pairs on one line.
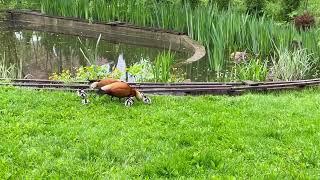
[[304, 21], [255, 6], [193, 3], [221, 4], [289, 6], [273, 9]]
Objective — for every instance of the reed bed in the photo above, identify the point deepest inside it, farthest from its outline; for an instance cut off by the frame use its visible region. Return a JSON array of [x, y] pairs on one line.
[[7, 70], [221, 32]]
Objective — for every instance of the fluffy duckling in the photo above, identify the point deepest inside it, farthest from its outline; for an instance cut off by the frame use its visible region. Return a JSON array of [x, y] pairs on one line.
[[83, 95]]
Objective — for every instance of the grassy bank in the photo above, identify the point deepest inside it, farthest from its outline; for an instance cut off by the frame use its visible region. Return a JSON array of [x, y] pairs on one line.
[[50, 134]]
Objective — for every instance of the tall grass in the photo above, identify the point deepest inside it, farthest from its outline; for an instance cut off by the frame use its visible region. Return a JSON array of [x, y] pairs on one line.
[[292, 65], [221, 32], [163, 66], [254, 70], [8, 71], [91, 55]]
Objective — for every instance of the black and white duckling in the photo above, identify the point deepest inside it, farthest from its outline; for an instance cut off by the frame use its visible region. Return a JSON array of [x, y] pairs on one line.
[[83, 95]]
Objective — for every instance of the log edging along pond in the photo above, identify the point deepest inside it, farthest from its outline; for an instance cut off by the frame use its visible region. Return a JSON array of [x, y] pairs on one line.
[[217, 88], [111, 31]]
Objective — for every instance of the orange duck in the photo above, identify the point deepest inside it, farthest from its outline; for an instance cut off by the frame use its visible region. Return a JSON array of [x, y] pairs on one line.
[[99, 84], [120, 90]]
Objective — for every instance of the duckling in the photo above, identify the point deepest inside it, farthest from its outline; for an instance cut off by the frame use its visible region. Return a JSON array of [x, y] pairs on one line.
[[129, 102], [83, 95]]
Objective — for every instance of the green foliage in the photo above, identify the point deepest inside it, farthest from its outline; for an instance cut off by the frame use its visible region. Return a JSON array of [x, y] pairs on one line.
[[135, 69], [91, 55], [92, 72], [193, 3], [88, 73], [19, 4], [254, 70], [289, 6], [142, 71], [273, 10], [312, 6], [255, 6], [221, 4], [8, 71], [159, 71], [163, 66], [51, 135], [65, 75]]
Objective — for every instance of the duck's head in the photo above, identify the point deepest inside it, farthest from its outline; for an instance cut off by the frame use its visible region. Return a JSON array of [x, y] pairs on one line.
[[94, 85]]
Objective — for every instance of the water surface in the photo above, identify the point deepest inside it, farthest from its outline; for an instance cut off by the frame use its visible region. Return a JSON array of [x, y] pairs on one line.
[[39, 54]]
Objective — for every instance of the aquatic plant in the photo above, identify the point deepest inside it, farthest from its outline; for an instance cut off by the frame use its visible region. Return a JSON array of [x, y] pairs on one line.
[[87, 73], [163, 66], [65, 75], [291, 65], [8, 71], [254, 70], [92, 72], [91, 55], [161, 70], [221, 32]]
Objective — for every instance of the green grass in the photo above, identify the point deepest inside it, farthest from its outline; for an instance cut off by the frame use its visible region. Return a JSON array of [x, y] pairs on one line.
[[50, 134]]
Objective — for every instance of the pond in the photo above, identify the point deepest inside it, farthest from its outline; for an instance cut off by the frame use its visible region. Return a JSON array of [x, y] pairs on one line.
[[37, 55]]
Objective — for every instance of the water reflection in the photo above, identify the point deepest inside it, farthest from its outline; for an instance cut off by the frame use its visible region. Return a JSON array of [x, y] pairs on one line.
[[121, 66]]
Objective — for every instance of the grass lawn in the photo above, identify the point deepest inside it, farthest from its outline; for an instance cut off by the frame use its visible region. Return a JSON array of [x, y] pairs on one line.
[[51, 134]]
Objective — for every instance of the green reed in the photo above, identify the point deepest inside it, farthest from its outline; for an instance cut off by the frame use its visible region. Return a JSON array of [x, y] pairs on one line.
[[163, 66], [91, 55], [254, 70], [292, 65], [8, 71]]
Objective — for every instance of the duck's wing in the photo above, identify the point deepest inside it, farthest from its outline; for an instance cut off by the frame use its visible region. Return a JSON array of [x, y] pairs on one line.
[[117, 89]]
